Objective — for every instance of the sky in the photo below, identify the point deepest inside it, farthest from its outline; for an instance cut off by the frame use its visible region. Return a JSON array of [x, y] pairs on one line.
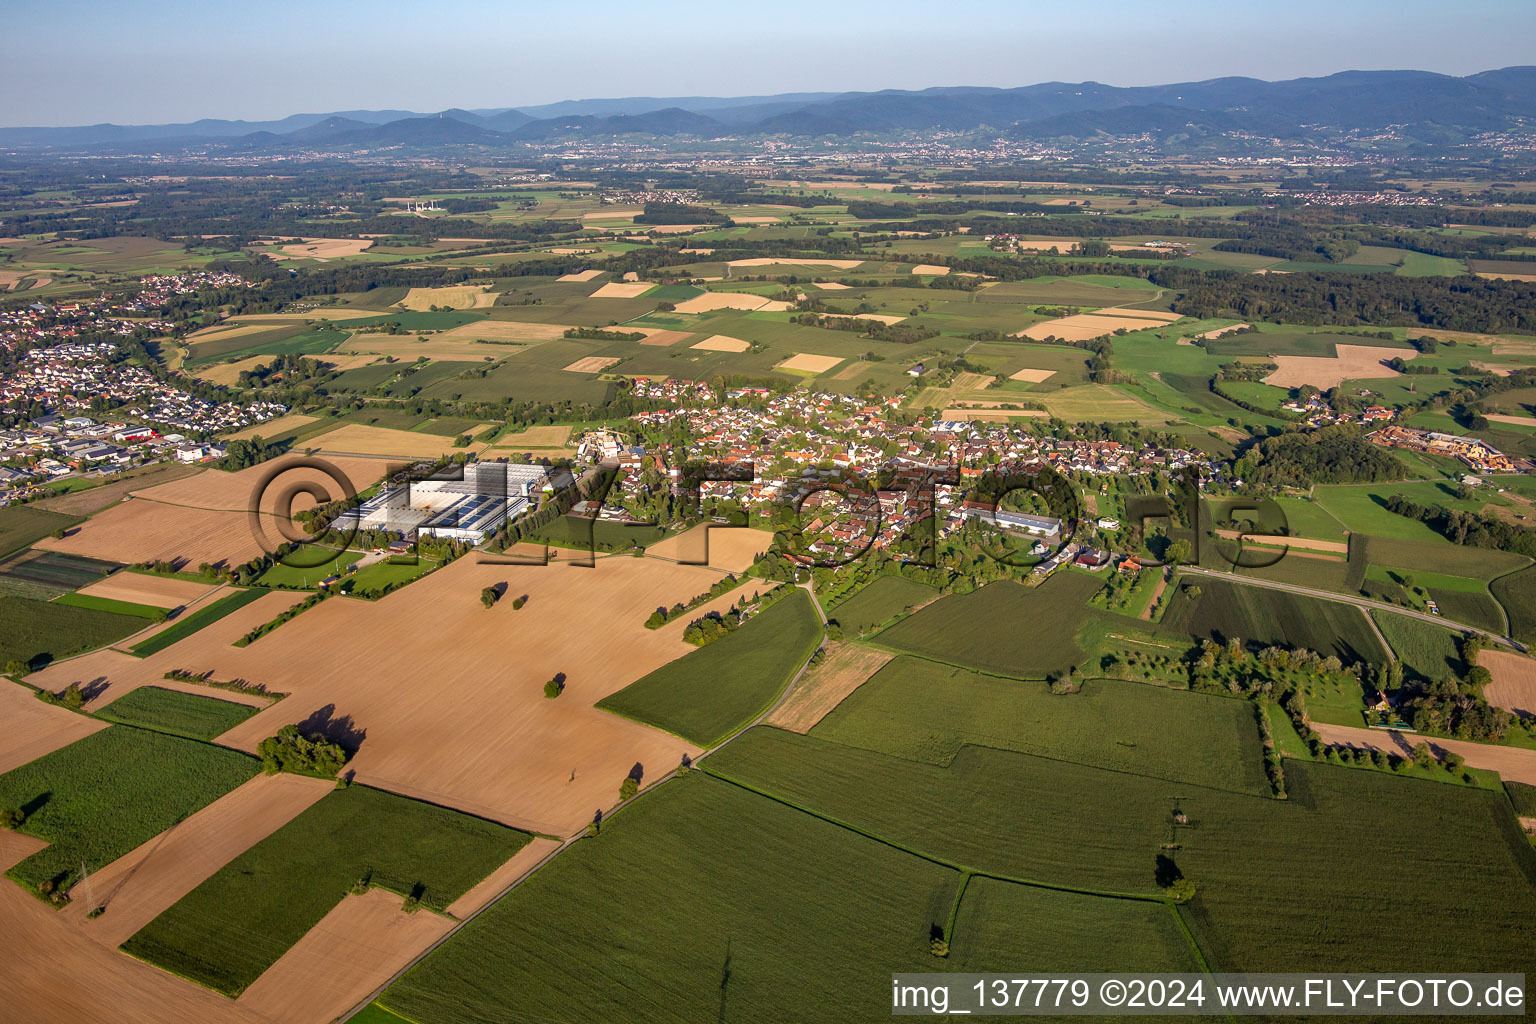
[[70, 62]]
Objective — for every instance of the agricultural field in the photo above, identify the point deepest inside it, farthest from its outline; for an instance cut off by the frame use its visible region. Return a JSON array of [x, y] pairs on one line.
[[923, 711], [21, 525], [45, 575], [1259, 615], [793, 912], [105, 794], [188, 624], [1427, 651], [1003, 628], [706, 695], [180, 714], [40, 632], [876, 604], [235, 925]]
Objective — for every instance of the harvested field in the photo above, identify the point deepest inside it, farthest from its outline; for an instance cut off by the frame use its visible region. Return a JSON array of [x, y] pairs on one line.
[[145, 531], [580, 275], [216, 489], [1334, 547], [362, 439], [591, 364], [721, 343], [535, 437], [767, 261], [1220, 332], [1139, 314], [852, 370], [930, 268], [202, 518], [321, 248], [354, 949], [228, 374], [1350, 362], [1506, 277], [806, 362], [729, 548], [496, 330], [1502, 417], [93, 499], [1032, 376], [137, 887], [843, 669], [831, 286], [710, 301], [140, 588], [454, 297], [272, 427], [1084, 326], [755, 220], [622, 290], [658, 337], [525, 748], [1514, 764], [33, 728], [1514, 681]]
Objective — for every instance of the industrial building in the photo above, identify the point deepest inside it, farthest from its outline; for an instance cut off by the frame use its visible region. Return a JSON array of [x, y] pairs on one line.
[[467, 506]]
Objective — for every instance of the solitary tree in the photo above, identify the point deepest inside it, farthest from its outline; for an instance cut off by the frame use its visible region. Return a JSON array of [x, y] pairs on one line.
[[489, 596]]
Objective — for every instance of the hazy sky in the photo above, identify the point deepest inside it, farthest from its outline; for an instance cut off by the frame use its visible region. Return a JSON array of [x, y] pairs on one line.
[[153, 61]]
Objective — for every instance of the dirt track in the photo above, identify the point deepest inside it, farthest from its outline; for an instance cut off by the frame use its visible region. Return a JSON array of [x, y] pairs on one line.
[[138, 886]]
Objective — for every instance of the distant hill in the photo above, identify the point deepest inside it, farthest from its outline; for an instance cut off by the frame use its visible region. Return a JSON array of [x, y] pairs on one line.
[[1419, 104]]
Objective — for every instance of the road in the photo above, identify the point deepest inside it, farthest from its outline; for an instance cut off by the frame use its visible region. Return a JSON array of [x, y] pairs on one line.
[[1359, 602]]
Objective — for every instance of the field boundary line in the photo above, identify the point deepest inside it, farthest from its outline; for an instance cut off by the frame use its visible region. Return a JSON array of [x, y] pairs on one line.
[[933, 858]]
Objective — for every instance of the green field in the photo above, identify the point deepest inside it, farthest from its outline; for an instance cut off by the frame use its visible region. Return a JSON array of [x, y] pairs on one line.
[[311, 565], [999, 927], [1426, 650], [181, 714], [709, 693], [1021, 816], [104, 795], [21, 525], [236, 924], [38, 632], [1003, 627], [1262, 616], [188, 624], [1517, 593], [107, 604], [1286, 885], [879, 602], [924, 711], [671, 915]]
